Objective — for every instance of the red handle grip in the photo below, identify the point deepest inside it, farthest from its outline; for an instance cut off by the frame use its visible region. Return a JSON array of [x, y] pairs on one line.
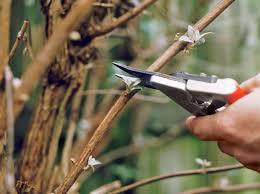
[[239, 93]]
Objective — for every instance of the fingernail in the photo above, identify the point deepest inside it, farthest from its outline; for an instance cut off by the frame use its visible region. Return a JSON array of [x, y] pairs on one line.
[[189, 121]]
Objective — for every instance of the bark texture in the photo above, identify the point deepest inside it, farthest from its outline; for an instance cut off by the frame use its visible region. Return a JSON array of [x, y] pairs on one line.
[[61, 81]]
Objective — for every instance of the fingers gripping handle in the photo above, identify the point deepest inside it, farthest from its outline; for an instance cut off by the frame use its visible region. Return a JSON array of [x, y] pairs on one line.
[[239, 93]]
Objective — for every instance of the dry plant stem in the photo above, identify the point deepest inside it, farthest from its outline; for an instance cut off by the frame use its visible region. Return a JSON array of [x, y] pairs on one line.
[[139, 147], [91, 100], [80, 10], [226, 189], [99, 134], [108, 101], [107, 188], [125, 97], [5, 13], [160, 100], [53, 179], [200, 25], [9, 115], [178, 174], [18, 39], [72, 127], [10, 180], [134, 148], [122, 19], [57, 131], [6, 61]]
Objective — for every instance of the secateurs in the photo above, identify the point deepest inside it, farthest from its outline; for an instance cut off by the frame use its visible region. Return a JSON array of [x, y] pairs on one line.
[[199, 94]]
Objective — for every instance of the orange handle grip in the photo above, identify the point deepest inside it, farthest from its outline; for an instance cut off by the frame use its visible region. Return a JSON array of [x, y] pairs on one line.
[[239, 93]]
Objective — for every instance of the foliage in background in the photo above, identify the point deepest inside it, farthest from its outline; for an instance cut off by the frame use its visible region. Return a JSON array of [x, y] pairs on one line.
[[233, 51]]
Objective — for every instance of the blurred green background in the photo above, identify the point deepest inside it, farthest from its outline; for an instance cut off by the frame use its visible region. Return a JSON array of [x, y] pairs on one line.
[[233, 51]]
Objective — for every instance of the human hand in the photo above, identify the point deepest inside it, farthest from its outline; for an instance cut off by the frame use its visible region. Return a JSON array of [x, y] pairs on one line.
[[237, 128]]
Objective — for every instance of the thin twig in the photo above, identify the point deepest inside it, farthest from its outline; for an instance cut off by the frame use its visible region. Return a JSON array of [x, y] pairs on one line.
[[160, 100], [178, 174], [58, 125], [126, 96], [138, 147], [10, 180], [229, 189], [53, 179], [122, 19], [91, 100], [134, 148], [107, 188], [18, 39]]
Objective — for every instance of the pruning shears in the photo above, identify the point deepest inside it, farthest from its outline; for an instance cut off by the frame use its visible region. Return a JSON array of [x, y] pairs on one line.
[[199, 94]]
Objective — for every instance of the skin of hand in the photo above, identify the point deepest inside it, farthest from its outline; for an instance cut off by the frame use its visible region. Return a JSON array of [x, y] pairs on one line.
[[237, 128]]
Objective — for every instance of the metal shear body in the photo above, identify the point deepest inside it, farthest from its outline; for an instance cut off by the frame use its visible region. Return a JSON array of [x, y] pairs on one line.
[[199, 94]]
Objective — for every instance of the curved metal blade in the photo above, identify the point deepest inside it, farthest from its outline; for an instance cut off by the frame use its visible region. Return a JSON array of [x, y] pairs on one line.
[[144, 76]]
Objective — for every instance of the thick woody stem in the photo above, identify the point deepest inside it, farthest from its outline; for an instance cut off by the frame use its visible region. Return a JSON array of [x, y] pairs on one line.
[[106, 28], [45, 57], [5, 10], [125, 97]]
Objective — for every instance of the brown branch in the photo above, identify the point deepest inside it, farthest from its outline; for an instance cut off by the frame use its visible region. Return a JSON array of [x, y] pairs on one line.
[[121, 20], [66, 153], [5, 17], [229, 189], [200, 25], [18, 39], [107, 188], [134, 148], [53, 179], [138, 147], [10, 180], [160, 100], [126, 96], [45, 57], [91, 100], [178, 174]]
